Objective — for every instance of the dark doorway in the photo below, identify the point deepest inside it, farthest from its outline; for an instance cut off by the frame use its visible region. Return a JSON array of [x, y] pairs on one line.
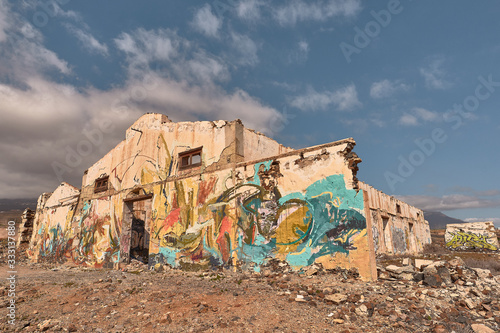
[[139, 247], [135, 229]]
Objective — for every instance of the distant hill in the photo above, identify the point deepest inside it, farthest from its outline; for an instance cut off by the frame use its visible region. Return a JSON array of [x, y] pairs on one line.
[[438, 220], [17, 204]]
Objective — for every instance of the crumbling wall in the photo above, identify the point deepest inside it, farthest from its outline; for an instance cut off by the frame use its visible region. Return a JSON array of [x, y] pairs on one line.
[[26, 226], [258, 146], [152, 145], [471, 236], [397, 227], [299, 207], [52, 224]]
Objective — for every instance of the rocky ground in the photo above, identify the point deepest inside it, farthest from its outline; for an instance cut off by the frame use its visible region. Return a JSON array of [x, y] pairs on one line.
[[435, 296]]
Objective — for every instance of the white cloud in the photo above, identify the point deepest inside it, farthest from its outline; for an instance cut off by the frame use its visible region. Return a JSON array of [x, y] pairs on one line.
[[361, 125], [41, 123], [52, 9], [426, 115], [143, 46], [42, 119], [408, 120], [417, 115], [449, 202], [387, 88], [24, 55], [298, 10], [344, 99], [434, 75], [471, 191], [88, 41], [495, 220], [249, 10], [300, 53], [244, 50], [206, 22], [171, 55]]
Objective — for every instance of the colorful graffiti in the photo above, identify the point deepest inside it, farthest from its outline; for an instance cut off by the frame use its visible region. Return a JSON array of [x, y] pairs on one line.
[[94, 244], [468, 240], [53, 236], [250, 223], [98, 237], [216, 219]]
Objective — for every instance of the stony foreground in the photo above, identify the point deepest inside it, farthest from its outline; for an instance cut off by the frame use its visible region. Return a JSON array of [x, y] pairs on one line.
[[70, 299]]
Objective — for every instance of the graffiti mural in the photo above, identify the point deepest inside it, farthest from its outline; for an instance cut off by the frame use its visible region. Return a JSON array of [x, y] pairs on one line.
[[468, 240], [252, 222], [293, 208]]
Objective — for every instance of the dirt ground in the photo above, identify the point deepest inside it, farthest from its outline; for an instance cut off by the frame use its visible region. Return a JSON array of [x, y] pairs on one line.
[[64, 298], [61, 298]]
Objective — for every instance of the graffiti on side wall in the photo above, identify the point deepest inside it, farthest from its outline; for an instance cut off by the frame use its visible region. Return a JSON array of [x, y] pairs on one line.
[[53, 236], [250, 223], [375, 238], [399, 242], [468, 240], [98, 241], [95, 244]]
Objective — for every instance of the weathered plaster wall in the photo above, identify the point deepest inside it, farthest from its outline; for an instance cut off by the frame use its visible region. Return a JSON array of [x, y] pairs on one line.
[[299, 207], [52, 223], [267, 147], [150, 151], [252, 199], [402, 231], [471, 236]]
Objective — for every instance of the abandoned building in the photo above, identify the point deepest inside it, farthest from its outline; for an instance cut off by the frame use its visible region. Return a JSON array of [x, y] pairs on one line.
[[201, 194]]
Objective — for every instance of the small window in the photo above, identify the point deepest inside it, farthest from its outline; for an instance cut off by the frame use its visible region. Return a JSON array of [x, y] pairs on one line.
[[101, 184], [398, 208], [190, 159]]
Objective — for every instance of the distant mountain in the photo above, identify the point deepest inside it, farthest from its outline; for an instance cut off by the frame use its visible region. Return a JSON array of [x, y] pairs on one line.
[[438, 220], [17, 204]]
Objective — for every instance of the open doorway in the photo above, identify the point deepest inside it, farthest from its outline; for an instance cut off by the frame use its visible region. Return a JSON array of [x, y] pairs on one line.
[[139, 247], [387, 234], [411, 235], [135, 229]]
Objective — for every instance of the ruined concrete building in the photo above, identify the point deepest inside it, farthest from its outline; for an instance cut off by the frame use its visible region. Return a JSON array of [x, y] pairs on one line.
[[204, 194]]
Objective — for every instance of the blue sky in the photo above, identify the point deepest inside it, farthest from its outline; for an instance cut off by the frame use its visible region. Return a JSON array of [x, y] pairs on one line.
[[415, 83]]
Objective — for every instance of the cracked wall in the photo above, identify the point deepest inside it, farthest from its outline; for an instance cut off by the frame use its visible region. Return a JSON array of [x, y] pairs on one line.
[[248, 201]]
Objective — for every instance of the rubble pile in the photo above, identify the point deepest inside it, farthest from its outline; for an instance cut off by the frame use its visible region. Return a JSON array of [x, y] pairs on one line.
[[417, 296]]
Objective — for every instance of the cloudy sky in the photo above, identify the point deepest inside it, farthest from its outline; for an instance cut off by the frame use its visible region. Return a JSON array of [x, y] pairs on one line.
[[416, 83]]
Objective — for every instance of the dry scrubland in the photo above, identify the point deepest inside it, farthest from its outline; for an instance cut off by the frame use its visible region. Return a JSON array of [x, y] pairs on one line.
[[61, 298]]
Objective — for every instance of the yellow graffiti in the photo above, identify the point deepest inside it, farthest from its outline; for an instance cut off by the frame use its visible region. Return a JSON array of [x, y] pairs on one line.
[[469, 240]]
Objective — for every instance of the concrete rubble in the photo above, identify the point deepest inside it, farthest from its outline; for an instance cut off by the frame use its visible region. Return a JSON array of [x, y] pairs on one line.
[[443, 296]]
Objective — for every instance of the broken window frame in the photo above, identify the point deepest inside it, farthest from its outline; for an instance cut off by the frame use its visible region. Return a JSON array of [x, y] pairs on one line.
[[101, 184], [188, 157]]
